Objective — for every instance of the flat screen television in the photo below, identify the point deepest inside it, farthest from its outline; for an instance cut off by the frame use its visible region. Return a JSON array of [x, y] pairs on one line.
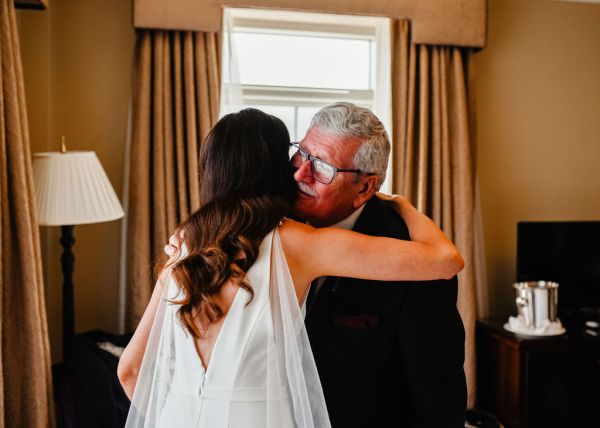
[[565, 252]]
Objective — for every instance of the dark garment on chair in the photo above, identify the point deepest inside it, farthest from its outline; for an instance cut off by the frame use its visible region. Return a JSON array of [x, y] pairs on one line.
[[389, 354], [86, 387]]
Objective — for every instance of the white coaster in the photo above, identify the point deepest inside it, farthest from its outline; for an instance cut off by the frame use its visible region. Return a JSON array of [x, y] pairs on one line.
[[549, 328]]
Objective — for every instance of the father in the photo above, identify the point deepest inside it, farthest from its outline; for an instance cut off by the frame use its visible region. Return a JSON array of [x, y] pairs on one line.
[[383, 353]]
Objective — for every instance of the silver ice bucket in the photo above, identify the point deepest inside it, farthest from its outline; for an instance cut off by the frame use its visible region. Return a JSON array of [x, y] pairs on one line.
[[536, 302]]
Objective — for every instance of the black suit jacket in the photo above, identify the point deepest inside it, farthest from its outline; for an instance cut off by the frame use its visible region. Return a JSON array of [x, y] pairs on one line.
[[389, 354]]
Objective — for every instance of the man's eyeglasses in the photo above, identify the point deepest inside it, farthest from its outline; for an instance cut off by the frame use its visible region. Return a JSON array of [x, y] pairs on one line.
[[321, 171]]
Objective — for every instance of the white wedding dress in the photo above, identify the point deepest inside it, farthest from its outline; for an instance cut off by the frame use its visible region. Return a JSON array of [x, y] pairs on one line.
[[261, 372]]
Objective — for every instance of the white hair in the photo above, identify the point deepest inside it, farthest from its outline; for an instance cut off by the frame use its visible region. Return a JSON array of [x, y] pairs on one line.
[[347, 119]]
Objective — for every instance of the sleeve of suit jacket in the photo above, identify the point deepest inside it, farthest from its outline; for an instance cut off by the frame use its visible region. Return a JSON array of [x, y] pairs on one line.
[[431, 337]]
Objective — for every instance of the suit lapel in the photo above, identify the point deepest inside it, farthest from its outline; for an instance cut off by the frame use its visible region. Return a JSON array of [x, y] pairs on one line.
[[324, 295]]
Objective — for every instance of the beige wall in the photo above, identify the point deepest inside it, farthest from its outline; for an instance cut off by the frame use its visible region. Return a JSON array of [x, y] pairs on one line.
[[77, 59], [538, 108]]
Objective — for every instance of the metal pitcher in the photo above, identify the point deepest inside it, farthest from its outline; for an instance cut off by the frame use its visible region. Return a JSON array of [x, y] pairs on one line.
[[536, 302]]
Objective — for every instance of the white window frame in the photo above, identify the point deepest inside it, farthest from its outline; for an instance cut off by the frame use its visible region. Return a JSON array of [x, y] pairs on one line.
[[373, 29]]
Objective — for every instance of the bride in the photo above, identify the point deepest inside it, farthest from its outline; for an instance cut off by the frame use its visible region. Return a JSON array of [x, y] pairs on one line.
[[222, 342]]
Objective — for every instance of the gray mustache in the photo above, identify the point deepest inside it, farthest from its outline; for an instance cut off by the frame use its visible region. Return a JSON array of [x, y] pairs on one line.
[[306, 189]]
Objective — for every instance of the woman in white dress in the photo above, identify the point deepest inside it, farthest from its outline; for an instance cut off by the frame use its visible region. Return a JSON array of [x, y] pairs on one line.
[[222, 342]]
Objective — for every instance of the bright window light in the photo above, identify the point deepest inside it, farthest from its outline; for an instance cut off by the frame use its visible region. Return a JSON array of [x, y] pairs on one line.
[[303, 61], [305, 114], [286, 113]]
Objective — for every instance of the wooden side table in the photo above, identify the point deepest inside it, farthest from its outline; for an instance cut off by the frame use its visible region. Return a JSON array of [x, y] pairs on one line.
[[538, 382]]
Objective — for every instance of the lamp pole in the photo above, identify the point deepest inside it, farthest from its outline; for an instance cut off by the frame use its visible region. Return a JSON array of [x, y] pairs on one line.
[[67, 261]]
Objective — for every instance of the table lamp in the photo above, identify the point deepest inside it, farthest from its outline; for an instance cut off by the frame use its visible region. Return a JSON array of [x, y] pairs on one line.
[[71, 188]]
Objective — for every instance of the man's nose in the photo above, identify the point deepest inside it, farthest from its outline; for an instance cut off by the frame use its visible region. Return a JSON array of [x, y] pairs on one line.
[[304, 173]]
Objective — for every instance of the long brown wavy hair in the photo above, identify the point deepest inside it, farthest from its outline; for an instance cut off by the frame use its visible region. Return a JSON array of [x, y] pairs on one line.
[[247, 186]]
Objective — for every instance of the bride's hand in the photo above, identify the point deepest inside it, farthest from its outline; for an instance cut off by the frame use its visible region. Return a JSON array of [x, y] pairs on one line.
[[398, 202], [173, 247]]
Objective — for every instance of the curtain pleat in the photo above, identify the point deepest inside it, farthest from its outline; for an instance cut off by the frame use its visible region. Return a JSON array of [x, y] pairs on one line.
[[26, 398], [175, 104], [434, 154]]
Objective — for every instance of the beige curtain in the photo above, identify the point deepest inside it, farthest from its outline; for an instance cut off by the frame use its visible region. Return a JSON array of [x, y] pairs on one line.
[[434, 152], [25, 377], [175, 103]]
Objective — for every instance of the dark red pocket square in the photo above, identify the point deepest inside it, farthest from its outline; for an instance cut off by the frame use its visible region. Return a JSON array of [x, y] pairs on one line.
[[358, 321]]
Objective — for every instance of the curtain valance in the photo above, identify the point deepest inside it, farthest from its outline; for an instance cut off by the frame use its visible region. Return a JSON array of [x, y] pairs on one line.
[[31, 4], [433, 22]]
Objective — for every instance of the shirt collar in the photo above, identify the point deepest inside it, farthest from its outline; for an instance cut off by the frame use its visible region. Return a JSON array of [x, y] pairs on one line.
[[349, 222]]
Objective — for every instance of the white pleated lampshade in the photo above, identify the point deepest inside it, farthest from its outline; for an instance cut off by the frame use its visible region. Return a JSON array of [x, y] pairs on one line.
[[72, 188]]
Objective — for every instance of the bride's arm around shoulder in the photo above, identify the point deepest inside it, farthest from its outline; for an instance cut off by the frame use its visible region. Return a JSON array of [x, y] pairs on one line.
[[327, 251], [131, 359]]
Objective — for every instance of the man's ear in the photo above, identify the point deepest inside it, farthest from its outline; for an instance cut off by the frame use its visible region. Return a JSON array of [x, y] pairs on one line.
[[368, 189]]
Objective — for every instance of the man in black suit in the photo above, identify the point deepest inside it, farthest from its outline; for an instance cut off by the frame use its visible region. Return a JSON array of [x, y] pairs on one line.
[[386, 355]]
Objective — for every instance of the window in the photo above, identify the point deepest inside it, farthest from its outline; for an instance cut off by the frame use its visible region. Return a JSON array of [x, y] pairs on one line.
[[290, 64]]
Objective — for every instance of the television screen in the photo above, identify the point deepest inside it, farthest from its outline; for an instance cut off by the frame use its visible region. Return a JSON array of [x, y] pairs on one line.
[[564, 252]]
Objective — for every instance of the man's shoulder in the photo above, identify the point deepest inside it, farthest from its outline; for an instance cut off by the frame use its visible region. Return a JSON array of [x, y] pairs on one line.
[[379, 218]]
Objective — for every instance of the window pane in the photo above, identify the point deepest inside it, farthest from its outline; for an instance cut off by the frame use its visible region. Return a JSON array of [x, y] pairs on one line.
[[285, 113], [305, 114], [304, 61]]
